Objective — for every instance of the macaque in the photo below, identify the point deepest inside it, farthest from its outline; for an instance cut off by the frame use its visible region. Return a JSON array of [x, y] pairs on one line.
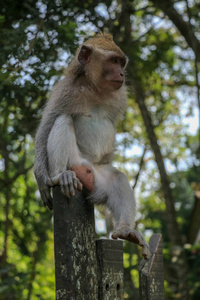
[[76, 138]]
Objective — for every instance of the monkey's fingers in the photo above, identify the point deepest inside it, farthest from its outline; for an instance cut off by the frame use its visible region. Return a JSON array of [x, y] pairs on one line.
[[71, 178], [77, 184], [46, 197], [137, 238], [68, 182], [64, 183]]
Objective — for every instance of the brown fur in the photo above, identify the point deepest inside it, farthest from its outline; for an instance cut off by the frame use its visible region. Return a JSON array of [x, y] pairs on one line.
[[78, 131], [101, 41], [104, 41]]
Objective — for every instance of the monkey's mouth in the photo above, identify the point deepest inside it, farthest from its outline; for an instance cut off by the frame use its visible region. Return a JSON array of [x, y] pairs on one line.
[[117, 81], [116, 84]]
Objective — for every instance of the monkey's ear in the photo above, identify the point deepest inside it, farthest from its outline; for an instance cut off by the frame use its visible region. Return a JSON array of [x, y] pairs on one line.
[[85, 54]]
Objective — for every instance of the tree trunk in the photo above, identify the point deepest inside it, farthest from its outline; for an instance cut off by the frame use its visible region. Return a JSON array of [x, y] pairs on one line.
[[172, 226], [194, 221], [171, 223], [174, 234]]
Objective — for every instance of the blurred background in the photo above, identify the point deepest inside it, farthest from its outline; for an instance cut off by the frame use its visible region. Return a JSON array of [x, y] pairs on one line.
[[158, 139]]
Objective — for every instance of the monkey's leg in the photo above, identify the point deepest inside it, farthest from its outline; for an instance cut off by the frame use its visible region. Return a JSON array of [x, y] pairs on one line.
[[124, 214], [134, 236], [121, 202]]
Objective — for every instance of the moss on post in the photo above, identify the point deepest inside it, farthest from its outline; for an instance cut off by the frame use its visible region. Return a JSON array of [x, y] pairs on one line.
[[75, 251]]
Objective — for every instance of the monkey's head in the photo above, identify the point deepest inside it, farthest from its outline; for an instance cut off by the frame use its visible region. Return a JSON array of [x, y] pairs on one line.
[[102, 62]]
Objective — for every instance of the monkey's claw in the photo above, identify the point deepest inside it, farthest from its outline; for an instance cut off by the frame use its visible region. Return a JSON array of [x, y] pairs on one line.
[[135, 237], [44, 188], [46, 196]]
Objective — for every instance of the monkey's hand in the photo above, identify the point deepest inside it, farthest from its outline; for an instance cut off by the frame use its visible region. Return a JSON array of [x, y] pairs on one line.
[[85, 174], [44, 184], [68, 182], [135, 237]]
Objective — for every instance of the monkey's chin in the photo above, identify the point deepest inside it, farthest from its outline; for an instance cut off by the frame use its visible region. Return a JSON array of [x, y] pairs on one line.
[[116, 84]]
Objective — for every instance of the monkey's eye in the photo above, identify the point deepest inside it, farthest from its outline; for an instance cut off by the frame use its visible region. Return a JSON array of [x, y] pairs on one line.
[[123, 62], [114, 60]]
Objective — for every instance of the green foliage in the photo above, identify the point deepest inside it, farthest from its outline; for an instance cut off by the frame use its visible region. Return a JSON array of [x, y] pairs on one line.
[[37, 40], [34, 38]]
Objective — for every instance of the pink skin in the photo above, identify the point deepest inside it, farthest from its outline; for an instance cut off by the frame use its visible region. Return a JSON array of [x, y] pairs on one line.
[[85, 175]]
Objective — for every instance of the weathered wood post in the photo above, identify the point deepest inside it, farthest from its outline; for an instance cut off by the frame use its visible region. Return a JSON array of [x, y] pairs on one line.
[[75, 250], [110, 269], [152, 273], [84, 270]]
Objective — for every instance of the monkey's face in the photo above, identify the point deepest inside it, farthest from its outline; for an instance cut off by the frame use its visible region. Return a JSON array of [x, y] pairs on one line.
[[104, 68], [113, 72]]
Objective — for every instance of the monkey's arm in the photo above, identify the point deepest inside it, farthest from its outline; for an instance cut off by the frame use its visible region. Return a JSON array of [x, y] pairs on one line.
[[45, 165], [56, 150], [41, 166], [66, 165], [41, 161]]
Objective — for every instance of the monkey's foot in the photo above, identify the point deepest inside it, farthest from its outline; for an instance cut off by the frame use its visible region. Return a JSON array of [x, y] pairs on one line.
[[68, 183], [133, 236], [85, 175]]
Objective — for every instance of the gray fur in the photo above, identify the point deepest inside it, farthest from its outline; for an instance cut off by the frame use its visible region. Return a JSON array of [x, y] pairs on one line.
[[77, 128]]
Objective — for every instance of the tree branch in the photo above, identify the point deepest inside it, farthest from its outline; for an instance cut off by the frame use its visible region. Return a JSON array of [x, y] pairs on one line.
[[184, 27], [140, 167], [4, 183]]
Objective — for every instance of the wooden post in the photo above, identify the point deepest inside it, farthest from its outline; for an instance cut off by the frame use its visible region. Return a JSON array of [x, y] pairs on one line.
[[110, 269], [74, 244], [152, 273], [88, 271]]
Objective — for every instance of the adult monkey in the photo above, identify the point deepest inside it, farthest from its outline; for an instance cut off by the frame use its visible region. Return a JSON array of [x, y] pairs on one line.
[[76, 137]]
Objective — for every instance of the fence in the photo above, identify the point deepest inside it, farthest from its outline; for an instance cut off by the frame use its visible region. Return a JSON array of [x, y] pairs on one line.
[[86, 269]]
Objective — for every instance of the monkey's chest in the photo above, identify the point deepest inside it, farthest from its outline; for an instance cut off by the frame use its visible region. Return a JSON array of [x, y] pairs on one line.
[[95, 136]]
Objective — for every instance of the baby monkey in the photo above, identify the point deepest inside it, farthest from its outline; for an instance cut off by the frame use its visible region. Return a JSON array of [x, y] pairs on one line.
[[76, 138]]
